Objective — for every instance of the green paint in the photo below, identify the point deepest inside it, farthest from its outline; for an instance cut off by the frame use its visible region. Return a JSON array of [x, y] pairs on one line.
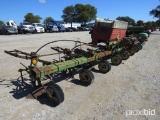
[[39, 72]]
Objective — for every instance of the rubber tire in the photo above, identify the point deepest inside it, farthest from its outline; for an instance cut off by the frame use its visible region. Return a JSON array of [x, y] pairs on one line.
[[131, 52], [88, 74], [136, 49], [118, 57], [47, 31], [106, 64], [139, 46], [24, 32], [58, 93], [6, 33], [125, 55], [50, 31]]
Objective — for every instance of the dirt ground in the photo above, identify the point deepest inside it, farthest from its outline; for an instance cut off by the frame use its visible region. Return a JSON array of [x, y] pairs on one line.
[[130, 91]]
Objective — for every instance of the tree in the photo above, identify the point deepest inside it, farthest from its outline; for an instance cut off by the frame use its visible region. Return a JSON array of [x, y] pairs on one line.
[[148, 24], [79, 13], [158, 23], [155, 12], [126, 19], [48, 19], [1, 22], [140, 23], [68, 13], [85, 13], [29, 17]]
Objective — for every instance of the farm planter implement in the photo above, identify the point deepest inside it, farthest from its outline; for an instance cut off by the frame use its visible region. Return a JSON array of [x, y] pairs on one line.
[[108, 42], [72, 59]]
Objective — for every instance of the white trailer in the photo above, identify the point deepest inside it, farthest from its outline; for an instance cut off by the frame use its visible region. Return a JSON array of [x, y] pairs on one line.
[[74, 25]]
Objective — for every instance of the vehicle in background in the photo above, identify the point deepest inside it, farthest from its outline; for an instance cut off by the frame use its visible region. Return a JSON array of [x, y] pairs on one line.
[[6, 30], [50, 27], [69, 30], [86, 28], [74, 25], [135, 30], [11, 23], [61, 28], [38, 28], [26, 27], [80, 28], [74, 29]]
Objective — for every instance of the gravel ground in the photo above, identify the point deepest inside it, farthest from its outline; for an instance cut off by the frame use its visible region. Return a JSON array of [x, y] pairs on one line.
[[122, 94]]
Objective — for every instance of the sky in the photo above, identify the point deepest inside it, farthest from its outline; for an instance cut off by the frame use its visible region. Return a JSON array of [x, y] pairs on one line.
[[16, 9]]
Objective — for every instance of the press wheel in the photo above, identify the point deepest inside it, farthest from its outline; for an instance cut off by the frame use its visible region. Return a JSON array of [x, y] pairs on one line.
[[136, 49], [139, 46], [86, 77], [116, 60], [131, 51], [104, 66], [125, 55]]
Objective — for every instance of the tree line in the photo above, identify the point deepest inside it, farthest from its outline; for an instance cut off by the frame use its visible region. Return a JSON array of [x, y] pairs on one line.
[[81, 13]]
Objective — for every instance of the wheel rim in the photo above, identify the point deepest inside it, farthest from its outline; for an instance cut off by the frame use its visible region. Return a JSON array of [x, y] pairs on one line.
[[131, 51], [85, 78], [140, 46], [136, 49], [103, 67], [125, 55], [116, 60], [51, 95]]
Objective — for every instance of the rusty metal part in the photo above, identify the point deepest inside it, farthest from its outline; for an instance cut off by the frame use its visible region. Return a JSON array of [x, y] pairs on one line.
[[38, 72], [38, 93]]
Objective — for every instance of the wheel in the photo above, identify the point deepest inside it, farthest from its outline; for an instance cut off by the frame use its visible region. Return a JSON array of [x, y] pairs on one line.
[[139, 46], [86, 77], [3, 33], [104, 66], [47, 31], [116, 60], [125, 55], [35, 31], [136, 49], [6, 33], [55, 94], [50, 31], [24, 32], [131, 51]]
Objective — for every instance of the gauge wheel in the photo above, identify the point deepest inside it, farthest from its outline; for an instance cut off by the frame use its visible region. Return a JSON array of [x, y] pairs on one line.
[[104, 66], [131, 51], [116, 60], [125, 55], [86, 77], [55, 94], [139, 46], [136, 49]]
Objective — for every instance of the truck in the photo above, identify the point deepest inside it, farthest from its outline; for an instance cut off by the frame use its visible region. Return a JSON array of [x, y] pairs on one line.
[[50, 27], [26, 27], [38, 28]]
